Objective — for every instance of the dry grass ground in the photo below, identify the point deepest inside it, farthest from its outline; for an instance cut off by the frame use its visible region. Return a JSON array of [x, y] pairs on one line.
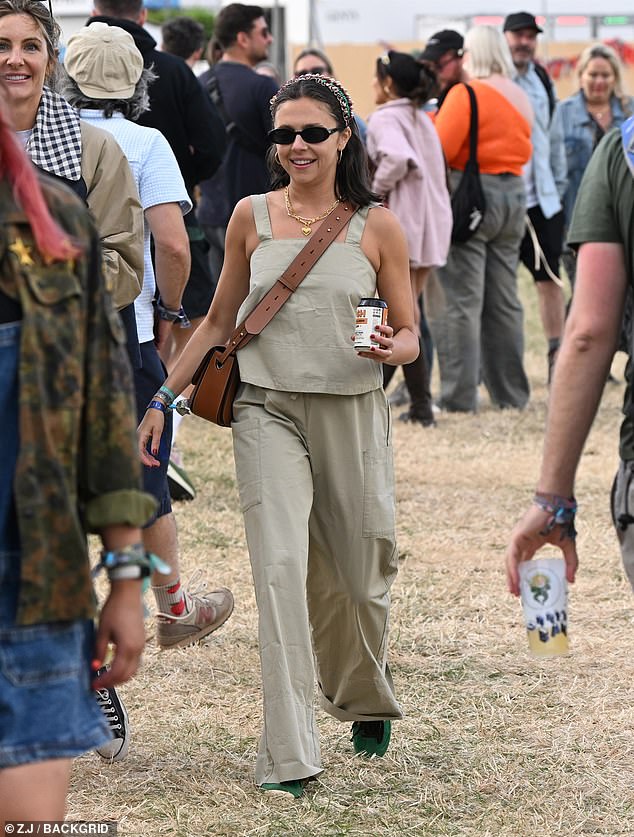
[[494, 743]]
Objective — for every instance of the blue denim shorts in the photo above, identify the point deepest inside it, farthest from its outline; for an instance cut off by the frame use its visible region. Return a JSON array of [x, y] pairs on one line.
[[147, 380], [47, 708]]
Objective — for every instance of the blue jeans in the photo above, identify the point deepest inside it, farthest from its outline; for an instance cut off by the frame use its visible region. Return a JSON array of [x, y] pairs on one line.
[[9, 354], [47, 708], [147, 379]]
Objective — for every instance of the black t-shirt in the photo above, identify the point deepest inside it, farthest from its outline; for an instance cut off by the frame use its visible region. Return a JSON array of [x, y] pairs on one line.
[[246, 98], [178, 107], [10, 309]]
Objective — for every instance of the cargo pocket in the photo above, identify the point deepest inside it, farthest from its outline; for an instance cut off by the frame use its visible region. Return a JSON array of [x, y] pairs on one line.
[[246, 449], [58, 319], [378, 492]]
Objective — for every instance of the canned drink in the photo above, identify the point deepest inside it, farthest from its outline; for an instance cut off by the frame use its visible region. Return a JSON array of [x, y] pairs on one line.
[[370, 313]]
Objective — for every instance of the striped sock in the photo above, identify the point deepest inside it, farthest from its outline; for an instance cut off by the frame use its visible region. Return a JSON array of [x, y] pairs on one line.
[[171, 598]]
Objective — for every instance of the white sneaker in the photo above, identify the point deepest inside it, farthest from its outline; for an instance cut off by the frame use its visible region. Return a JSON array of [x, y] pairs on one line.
[[206, 612]]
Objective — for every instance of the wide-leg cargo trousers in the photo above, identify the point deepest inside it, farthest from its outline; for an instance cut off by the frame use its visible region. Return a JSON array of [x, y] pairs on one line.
[[316, 486]]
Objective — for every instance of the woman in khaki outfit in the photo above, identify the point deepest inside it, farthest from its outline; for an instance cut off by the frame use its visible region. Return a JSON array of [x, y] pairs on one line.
[[312, 435]]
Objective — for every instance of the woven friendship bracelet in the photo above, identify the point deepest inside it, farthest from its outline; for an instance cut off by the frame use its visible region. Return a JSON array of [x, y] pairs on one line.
[[131, 563], [165, 395], [172, 315], [562, 512], [128, 563], [168, 392]]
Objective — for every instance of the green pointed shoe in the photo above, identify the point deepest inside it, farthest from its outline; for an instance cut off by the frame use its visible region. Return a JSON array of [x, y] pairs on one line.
[[371, 738], [294, 786]]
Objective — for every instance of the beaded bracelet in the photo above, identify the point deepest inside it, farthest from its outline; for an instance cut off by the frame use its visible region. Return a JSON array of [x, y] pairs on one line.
[[562, 512]]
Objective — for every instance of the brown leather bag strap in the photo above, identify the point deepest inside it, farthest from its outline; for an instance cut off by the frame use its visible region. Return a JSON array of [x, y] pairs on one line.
[[290, 280]]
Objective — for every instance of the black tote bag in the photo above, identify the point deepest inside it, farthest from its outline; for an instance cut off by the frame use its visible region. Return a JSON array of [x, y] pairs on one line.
[[468, 203]]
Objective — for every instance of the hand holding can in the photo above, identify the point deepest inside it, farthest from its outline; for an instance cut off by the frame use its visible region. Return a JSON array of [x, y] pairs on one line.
[[371, 312]]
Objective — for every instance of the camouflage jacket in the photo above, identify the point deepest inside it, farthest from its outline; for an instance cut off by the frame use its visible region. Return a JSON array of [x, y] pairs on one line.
[[77, 469]]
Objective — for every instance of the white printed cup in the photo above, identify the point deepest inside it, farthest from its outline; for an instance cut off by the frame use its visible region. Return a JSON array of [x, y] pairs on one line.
[[544, 596]]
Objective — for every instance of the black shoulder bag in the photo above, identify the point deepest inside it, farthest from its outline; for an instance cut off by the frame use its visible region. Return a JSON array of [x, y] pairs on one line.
[[468, 204], [234, 131]]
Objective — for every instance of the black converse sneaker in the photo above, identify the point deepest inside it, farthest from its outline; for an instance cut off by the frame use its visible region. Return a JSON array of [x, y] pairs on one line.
[[180, 485], [115, 713]]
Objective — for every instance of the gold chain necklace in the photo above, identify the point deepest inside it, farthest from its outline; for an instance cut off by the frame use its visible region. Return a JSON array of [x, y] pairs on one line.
[[305, 222]]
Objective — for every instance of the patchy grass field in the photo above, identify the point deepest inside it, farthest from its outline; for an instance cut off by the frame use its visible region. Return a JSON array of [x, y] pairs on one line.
[[494, 743]]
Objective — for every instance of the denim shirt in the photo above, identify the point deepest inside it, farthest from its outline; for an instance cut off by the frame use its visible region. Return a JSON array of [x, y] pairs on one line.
[[580, 138], [549, 152]]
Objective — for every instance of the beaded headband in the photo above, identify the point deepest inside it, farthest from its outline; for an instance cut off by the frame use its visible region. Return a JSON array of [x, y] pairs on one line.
[[339, 91]]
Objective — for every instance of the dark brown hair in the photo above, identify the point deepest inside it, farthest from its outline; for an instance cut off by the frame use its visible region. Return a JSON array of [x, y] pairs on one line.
[[353, 178], [413, 79], [233, 19]]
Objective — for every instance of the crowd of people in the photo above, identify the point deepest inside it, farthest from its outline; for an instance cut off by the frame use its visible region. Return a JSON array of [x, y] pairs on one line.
[[164, 210]]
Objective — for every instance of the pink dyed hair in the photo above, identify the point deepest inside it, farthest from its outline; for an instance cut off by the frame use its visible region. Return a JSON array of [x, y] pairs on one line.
[[52, 241]]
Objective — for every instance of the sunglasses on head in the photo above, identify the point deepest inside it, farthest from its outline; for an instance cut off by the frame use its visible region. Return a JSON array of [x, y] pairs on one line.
[[313, 135], [315, 71]]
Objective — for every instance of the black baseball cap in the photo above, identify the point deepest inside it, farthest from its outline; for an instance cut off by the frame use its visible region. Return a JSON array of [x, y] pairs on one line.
[[440, 43], [521, 20]]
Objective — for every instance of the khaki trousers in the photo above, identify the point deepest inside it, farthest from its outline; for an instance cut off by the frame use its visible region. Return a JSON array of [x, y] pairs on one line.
[[317, 491]]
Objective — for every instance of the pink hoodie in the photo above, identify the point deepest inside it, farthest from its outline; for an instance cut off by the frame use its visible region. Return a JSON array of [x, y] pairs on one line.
[[410, 172]]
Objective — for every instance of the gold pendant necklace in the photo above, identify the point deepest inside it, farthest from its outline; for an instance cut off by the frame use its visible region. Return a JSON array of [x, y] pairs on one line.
[[305, 222]]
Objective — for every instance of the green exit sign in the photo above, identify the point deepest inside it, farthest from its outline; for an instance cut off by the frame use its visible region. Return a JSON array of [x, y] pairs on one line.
[[617, 20]]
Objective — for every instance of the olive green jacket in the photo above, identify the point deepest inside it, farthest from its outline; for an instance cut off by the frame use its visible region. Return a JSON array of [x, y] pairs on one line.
[[77, 469]]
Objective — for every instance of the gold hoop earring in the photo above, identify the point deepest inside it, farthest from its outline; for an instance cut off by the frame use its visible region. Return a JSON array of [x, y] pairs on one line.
[[276, 157]]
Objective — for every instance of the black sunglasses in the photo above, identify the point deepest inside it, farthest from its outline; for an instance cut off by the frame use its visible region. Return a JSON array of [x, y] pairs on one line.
[[312, 135], [314, 71]]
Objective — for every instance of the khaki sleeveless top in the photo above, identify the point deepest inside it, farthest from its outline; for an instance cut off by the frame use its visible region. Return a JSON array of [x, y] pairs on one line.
[[306, 347]]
